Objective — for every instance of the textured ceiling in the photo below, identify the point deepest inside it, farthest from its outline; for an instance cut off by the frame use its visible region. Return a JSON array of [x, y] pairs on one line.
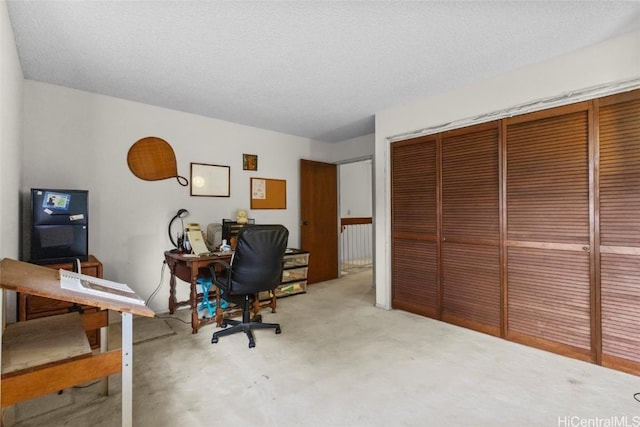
[[316, 69]]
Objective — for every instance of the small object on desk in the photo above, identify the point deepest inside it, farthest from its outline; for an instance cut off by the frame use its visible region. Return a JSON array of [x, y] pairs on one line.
[[224, 247], [186, 244], [196, 240], [242, 217]]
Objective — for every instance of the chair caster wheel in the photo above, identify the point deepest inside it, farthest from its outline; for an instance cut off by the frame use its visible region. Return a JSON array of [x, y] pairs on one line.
[[278, 330], [252, 344], [223, 324], [214, 340]]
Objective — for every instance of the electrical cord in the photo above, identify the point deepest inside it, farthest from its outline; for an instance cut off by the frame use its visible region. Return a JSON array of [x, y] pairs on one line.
[[84, 386], [155, 292], [174, 318]]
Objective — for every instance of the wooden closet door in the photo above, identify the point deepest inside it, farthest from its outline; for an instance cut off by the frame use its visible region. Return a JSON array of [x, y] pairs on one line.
[[471, 228], [414, 225], [548, 231], [619, 141]]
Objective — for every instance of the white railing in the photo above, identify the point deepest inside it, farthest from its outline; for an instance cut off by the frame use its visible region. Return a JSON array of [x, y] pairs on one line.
[[356, 243]]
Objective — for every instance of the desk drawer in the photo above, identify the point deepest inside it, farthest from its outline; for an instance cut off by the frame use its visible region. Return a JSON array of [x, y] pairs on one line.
[[294, 274], [297, 260], [285, 290]]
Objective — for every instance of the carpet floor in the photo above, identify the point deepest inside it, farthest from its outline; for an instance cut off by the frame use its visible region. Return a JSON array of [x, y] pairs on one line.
[[340, 361]]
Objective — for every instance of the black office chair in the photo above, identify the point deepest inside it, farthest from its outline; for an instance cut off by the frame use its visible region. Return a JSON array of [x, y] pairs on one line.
[[256, 266]]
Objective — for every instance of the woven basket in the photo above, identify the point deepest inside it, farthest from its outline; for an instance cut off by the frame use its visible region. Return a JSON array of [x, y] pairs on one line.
[[153, 159]]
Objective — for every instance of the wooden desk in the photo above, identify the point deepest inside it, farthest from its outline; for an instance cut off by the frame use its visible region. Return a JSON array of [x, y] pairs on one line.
[[189, 269], [26, 380]]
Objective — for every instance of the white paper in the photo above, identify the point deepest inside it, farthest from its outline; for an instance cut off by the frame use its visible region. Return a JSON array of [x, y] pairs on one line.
[[259, 189]]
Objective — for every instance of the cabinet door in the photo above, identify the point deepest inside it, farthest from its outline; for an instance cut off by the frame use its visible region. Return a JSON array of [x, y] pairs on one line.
[[619, 124], [414, 225], [548, 230], [471, 228]]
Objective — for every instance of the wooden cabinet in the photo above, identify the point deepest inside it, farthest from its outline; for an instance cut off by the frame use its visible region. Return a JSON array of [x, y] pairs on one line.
[[34, 307]]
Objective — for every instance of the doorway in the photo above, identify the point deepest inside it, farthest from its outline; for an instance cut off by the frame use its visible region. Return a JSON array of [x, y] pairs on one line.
[[355, 180]]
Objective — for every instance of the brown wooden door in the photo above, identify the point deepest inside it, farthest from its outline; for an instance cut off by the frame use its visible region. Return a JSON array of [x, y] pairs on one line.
[[548, 230], [471, 228], [319, 218], [414, 227], [619, 136]]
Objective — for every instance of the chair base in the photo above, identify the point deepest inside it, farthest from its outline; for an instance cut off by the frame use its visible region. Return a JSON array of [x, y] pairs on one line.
[[246, 327]]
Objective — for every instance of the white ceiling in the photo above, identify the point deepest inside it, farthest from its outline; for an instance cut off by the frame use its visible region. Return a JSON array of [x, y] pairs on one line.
[[316, 69]]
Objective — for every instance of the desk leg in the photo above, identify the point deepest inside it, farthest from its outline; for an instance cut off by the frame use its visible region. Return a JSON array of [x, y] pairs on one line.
[[104, 347], [193, 299], [172, 288], [127, 370]]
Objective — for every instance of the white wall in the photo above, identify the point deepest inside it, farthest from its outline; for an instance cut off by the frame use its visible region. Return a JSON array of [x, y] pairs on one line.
[[10, 156], [355, 148], [355, 185], [79, 140], [615, 60], [10, 136]]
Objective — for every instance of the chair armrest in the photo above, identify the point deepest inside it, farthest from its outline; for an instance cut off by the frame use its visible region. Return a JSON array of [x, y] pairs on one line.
[[214, 274]]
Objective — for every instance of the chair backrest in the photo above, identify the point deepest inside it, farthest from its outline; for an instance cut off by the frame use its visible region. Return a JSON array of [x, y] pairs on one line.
[[258, 258]]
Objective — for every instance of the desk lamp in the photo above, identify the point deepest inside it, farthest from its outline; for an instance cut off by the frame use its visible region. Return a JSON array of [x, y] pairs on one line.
[[180, 214]]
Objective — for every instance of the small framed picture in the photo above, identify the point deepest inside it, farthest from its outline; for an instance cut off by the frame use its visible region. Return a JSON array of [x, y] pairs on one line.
[[250, 162]]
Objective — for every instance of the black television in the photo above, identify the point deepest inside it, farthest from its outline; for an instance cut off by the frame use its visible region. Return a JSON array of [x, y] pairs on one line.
[[59, 226]]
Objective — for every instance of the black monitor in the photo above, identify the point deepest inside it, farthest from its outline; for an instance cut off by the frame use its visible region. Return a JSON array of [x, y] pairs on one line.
[[59, 225]]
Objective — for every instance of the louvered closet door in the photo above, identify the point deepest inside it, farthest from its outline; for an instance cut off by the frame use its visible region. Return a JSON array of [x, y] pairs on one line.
[[619, 124], [414, 274], [471, 228], [548, 231]]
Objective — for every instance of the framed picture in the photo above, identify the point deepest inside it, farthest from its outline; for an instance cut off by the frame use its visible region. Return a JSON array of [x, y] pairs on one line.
[[210, 180], [250, 162]]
